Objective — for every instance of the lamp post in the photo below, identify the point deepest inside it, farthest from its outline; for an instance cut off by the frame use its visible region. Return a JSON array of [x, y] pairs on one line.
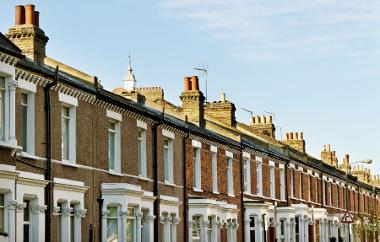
[[348, 172]]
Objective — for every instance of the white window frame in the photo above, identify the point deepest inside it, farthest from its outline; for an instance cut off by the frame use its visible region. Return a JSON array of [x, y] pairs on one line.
[[247, 172], [282, 181], [197, 169], [4, 109], [3, 209], [117, 218], [168, 160], [71, 103], [214, 164], [29, 89], [131, 217], [272, 179], [8, 131], [141, 139], [254, 228], [117, 143], [28, 206], [259, 175], [230, 174]]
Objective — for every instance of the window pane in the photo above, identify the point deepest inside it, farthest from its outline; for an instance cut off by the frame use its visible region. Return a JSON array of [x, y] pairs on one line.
[[111, 150], [112, 231], [166, 163], [26, 232], [65, 132], [112, 212], [252, 235], [24, 118], [2, 213], [2, 108], [26, 211], [2, 82]]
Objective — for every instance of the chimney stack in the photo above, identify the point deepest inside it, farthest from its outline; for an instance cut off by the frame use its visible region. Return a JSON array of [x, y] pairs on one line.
[[193, 101], [222, 110], [328, 156], [296, 141], [26, 33], [264, 125]]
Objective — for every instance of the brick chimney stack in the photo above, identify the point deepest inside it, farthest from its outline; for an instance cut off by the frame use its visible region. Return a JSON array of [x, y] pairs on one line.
[[345, 166], [263, 124], [193, 101], [26, 33], [295, 140], [328, 156], [223, 110]]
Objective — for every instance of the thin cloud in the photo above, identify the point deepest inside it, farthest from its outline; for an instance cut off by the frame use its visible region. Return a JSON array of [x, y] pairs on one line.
[[277, 30]]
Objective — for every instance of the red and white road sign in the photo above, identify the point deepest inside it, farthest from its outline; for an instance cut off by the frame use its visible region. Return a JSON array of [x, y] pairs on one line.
[[347, 218]]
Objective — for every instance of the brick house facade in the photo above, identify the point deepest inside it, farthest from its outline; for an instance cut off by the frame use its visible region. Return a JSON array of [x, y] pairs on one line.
[[129, 166]]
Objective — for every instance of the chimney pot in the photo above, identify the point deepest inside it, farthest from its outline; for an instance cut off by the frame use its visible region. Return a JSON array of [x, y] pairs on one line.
[[296, 135], [187, 83], [347, 156], [194, 83], [223, 97], [291, 135], [287, 136], [270, 119], [324, 148], [29, 14], [20, 15], [37, 18], [301, 135]]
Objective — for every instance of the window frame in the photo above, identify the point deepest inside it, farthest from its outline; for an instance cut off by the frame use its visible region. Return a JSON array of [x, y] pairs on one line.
[[197, 170], [132, 218], [230, 176], [272, 180], [214, 169], [117, 145], [71, 103], [247, 174], [3, 108], [29, 222], [259, 175], [116, 218], [3, 213], [168, 160], [282, 182], [141, 146]]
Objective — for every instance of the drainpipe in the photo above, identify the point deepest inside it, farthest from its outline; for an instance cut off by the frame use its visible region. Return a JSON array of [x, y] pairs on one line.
[[156, 206], [242, 187], [100, 201], [48, 170], [286, 182]]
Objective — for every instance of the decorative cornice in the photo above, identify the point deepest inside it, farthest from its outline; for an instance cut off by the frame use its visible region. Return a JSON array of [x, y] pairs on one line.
[[8, 59], [32, 182], [71, 188]]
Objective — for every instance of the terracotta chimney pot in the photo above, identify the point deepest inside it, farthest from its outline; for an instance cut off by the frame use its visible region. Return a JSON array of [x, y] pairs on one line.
[[187, 83], [194, 83], [291, 135], [20, 15], [37, 18], [29, 14], [301, 135], [296, 135]]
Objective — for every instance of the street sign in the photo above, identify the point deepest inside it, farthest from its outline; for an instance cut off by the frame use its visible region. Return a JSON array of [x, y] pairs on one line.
[[347, 218]]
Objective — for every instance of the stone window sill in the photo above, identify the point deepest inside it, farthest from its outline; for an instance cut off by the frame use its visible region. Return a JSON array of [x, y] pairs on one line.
[[197, 189], [29, 156], [167, 183], [69, 163], [115, 173]]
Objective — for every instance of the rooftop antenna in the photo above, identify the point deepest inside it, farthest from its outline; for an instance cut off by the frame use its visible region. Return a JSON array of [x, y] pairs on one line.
[[248, 111], [270, 113], [204, 70]]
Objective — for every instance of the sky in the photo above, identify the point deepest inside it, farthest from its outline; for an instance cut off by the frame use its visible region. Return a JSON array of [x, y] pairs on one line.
[[315, 64]]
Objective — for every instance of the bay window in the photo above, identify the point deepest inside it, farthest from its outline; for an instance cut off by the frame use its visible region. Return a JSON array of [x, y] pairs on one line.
[[131, 225], [252, 229], [112, 224]]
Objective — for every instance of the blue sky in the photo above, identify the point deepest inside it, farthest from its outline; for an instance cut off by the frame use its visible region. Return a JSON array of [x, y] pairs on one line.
[[314, 63]]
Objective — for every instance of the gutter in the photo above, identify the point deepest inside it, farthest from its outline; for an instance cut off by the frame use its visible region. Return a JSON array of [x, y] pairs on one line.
[[48, 171]]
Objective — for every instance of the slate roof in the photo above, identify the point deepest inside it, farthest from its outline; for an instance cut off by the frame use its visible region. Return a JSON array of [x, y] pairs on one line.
[[8, 47]]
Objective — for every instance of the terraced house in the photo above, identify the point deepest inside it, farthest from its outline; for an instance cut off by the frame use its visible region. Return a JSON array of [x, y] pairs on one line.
[[80, 163]]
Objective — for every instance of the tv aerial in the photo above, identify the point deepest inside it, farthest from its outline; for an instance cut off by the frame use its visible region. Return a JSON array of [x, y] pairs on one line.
[[204, 69]]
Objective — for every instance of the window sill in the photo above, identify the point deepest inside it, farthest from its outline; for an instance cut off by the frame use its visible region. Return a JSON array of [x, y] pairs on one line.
[[69, 163], [197, 189], [29, 156], [9, 145], [115, 173], [248, 193], [144, 178], [167, 183], [231, 195], [215, 192]]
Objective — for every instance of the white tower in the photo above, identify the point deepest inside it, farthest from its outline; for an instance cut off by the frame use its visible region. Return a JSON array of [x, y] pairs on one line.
[[129, 77]]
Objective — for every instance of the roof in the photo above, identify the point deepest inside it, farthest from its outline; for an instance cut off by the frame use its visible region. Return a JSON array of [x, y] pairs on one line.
[[9, 47]]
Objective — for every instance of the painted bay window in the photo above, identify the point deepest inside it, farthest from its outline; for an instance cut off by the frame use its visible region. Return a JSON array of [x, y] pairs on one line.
[[168, 160], [259, 175], [297, 229], [214, 161], [272, 179], [282, 182], [131, 225], [27, 230], [196, 168], [141, 149], [7, 111], [2, 108], [68, 127], [230, 177], [2, 214], [196, 229], [247, 175], [282, 230], [112, 224]]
